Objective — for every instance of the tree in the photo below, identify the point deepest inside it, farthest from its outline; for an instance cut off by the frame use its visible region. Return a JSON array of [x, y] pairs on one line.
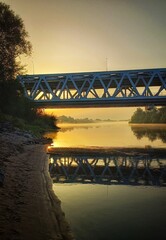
[[153, 116], [13, 43], [138, 116], [162, 114]]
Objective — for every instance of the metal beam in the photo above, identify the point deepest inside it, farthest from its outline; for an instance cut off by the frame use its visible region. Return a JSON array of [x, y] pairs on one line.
[[97, 89], [120, 168]]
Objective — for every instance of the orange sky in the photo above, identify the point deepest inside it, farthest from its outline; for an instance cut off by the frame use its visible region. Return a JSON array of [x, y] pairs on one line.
[[79, 35]]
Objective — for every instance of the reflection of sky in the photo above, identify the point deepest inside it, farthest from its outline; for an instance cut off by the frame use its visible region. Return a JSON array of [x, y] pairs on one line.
[[117, 134], [98, 211]]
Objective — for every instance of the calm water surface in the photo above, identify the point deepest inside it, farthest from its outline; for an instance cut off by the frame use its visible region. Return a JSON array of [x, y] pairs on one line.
[[116, 134], [112, 212]]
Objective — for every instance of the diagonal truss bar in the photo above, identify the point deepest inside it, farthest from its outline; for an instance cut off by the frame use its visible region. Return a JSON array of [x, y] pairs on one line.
[[114, 88], [124, 169]]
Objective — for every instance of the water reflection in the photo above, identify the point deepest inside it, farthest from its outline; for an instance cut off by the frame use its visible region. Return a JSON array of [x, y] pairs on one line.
[[112, 134], [120, 194], [72, 127], [151, 133], [108, 167], [114, 212]]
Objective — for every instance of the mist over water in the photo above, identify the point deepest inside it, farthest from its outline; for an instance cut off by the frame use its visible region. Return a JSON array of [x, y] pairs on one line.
[[114, 134]]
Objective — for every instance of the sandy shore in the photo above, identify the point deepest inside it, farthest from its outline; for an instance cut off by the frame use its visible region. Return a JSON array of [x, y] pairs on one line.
[[29, 208]]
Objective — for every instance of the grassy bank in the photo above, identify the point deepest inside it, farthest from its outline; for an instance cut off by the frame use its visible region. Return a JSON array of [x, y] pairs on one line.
[[21, 112], [36, 127]]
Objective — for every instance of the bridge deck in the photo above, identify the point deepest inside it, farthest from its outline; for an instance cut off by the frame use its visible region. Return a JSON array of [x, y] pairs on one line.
[[80, 78]]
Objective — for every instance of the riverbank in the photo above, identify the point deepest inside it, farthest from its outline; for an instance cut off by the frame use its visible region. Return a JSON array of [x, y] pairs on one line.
[[149, 125], [29, 208]]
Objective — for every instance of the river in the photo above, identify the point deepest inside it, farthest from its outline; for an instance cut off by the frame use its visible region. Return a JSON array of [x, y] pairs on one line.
[[112, 211], [114, 134]]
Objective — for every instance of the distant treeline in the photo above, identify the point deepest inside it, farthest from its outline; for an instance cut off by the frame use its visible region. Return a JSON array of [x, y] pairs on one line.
[[149, 116], [68, 119]]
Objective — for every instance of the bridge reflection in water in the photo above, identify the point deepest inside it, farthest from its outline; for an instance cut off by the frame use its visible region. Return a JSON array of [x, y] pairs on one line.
[[108, 166]]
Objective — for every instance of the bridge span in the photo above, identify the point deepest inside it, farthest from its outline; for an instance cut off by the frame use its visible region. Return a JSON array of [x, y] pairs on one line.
[[108, 165], [142, 87]]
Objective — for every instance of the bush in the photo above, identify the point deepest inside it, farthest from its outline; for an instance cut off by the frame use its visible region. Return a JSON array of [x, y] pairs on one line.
[[152, 116], [20, 111]]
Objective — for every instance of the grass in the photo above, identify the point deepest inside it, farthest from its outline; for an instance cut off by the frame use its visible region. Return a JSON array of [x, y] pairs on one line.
[[37, 127]]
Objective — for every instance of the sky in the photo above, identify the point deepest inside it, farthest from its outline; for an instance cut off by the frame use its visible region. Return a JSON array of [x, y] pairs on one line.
[[93, 35]]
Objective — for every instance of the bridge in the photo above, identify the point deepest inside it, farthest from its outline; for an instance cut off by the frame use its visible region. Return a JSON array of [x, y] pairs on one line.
[[142, 87], [108, 166]]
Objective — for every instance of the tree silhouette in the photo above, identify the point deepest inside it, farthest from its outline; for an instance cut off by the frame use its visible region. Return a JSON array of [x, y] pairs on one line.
[[153, 116], [13, 43]]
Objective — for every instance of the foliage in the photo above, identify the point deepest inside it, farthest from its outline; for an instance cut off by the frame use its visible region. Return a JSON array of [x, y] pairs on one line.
[[13, 102], [66, 119], [153, 116], [14, 107], [13, 43], [36, 128], [20, 111], [43, 120]]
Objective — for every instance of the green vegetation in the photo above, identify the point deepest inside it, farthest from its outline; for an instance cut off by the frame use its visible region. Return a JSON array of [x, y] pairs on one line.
[[20, 112], [153, 116], [14, 107], [37, 127], [65, 119]]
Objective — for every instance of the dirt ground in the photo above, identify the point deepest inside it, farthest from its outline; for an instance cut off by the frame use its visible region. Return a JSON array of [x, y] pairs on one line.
[[29, 208]]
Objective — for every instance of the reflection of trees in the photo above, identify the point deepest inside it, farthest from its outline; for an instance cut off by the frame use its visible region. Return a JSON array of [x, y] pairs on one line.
[[71, 128], [151, 133]]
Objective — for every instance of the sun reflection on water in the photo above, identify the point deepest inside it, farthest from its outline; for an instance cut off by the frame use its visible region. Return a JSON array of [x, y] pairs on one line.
[[116, 134]]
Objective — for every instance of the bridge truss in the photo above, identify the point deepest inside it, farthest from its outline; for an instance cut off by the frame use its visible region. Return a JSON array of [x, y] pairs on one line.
[[120, 169], [97, 89]]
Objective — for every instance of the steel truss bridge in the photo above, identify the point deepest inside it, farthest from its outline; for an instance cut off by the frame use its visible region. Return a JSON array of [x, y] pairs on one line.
[[97, 89], [110, 168]]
